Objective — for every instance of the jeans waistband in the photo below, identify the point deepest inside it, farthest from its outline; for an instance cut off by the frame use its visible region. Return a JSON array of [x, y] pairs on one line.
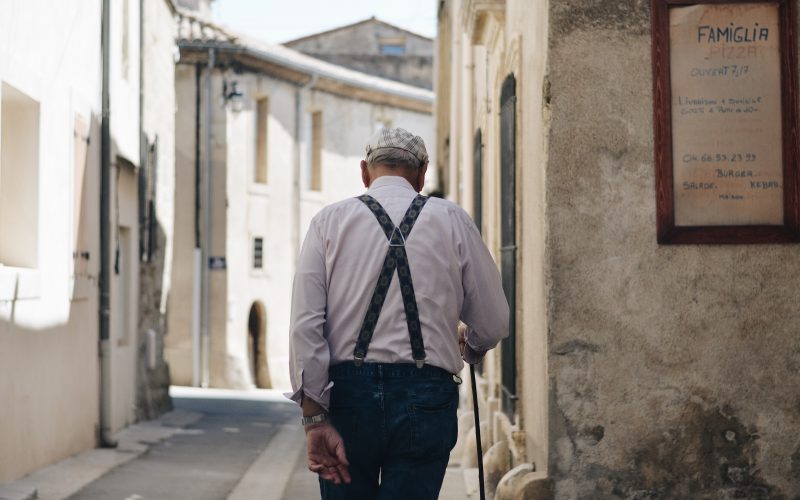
[[388, 370]]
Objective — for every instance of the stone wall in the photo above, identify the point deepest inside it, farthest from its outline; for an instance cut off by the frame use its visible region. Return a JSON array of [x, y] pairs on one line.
[[358, 47], [159, 128]]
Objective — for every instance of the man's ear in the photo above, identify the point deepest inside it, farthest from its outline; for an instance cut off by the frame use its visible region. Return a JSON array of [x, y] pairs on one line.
[[421, 177], [365, 174]]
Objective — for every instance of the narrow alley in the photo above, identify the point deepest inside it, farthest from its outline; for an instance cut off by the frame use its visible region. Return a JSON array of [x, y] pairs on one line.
[[214, 445]]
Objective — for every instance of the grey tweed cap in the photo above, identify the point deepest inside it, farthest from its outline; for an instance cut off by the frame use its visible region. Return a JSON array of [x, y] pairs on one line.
[[398, 138]]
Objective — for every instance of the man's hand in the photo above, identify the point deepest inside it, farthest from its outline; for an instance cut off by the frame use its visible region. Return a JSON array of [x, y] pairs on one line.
[[462, 341], [468, 354], [326, 455]]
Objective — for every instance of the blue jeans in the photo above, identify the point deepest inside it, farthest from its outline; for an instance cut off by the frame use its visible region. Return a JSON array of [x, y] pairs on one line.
[[398, 423]]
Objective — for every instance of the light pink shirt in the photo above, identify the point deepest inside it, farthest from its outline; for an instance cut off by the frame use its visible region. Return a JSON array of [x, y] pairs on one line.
[[453, 273]]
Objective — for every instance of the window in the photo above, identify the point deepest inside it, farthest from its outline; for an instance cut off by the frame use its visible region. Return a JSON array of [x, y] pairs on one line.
[[316, 151], [258, 253], [477, 187], [19, 178], [148, 237], [262, 114], [126, 42], [392, 46], [393, 50], [508, 237]]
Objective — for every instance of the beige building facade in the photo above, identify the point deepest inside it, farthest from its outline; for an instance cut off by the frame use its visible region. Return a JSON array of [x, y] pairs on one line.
[[634, 370], [374, 47], [282, 135], [62, 394]]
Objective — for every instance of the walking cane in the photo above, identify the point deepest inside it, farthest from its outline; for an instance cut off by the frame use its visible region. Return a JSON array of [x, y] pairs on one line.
[[477, 431]]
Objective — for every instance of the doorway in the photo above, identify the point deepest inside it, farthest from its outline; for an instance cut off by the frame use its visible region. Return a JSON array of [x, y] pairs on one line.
[[257, 346]]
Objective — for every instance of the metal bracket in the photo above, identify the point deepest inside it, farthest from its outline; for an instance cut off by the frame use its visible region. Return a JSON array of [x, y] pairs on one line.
[[402, 238]]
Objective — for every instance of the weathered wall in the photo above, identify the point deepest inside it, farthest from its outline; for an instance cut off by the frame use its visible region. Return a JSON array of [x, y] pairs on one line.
[[413, 70], [673, 369], [361, 38], [178, 342], [159, 127], [358, 47], [180, 310]]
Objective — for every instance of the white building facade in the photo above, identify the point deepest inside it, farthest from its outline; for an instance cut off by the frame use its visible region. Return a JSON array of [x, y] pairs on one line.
[[51, 161], [286, 138]]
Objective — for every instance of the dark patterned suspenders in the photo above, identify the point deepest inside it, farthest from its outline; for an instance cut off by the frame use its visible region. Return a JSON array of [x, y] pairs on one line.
[[396, 258]]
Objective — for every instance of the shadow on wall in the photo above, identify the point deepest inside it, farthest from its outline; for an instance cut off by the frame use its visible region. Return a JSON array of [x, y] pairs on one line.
[[54, 370]]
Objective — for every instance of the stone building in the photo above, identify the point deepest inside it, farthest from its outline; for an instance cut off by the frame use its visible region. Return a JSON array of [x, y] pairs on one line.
[[374, 47], [75, 231], [280, 135], [633, 370]]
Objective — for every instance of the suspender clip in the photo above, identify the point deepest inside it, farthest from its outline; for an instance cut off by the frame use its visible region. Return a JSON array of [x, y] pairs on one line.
[[420, 362], [392, 238], [358, 361]]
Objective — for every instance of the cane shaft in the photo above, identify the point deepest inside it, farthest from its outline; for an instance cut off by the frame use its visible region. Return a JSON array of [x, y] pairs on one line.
[[477, 430]]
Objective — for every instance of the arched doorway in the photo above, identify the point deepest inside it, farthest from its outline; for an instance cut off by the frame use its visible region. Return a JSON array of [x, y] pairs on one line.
[[257, 345]]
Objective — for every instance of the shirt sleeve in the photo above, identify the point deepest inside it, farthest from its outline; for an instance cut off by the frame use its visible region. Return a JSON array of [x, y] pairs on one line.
[[485, 308], [309, 355]]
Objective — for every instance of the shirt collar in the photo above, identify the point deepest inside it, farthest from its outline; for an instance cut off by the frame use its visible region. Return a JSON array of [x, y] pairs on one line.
[[391, 180]]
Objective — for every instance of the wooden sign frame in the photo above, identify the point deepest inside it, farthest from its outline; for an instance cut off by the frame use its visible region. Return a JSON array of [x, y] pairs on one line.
[[668, 231]]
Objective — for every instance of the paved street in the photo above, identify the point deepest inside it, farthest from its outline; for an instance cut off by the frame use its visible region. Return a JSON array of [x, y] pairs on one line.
[[226, 445], [204, 461]]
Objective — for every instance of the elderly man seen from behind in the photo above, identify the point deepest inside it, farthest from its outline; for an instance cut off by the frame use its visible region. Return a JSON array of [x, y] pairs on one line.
[[381, 284]]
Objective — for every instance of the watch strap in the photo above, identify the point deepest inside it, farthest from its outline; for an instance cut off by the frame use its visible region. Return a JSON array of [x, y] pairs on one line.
[[314, 419]]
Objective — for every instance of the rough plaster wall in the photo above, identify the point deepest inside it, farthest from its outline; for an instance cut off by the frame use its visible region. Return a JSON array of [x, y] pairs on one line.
[[224, 371], [178, 342], [362, 39], [674, 370], [158, 121], [358, 48], [413, 70]]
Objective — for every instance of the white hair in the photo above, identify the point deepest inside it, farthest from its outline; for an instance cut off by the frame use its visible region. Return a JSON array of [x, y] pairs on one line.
[[392, 157]]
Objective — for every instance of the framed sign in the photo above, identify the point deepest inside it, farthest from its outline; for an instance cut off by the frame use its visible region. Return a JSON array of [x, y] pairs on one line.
[[725, 120]]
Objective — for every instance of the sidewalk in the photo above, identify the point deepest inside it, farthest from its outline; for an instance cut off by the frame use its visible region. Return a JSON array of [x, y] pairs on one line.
[[64, 478]]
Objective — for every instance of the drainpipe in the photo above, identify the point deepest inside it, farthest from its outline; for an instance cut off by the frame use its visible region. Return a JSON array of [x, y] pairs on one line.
[[198, 250], [298, 110], [206, 318], [106, 441], [143, 177]]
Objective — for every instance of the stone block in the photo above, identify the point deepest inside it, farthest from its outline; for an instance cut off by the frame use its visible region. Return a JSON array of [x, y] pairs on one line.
[[524, 483], [496, 463]]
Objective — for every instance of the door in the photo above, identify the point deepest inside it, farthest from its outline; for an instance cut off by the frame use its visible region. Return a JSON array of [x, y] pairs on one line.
[[508, 237]]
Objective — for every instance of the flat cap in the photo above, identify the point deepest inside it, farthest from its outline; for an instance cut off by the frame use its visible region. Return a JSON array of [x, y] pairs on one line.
[[398, 138]]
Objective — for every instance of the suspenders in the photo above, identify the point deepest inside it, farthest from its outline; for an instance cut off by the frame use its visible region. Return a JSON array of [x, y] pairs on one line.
[[396, 258]]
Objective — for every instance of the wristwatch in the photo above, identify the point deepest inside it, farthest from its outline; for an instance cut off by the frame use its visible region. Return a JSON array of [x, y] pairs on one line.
[[314, 419]]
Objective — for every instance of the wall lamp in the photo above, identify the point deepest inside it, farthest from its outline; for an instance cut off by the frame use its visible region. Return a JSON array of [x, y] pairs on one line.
[[233, 96]]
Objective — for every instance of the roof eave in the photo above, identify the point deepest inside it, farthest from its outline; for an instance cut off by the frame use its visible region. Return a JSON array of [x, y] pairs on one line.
[[301, 74]]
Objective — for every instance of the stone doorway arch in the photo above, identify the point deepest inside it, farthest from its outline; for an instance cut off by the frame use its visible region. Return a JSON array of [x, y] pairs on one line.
[[257, 345]]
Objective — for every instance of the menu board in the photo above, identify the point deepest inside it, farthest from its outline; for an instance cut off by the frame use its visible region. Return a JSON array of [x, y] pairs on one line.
[[725, 121], [725, 78]]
